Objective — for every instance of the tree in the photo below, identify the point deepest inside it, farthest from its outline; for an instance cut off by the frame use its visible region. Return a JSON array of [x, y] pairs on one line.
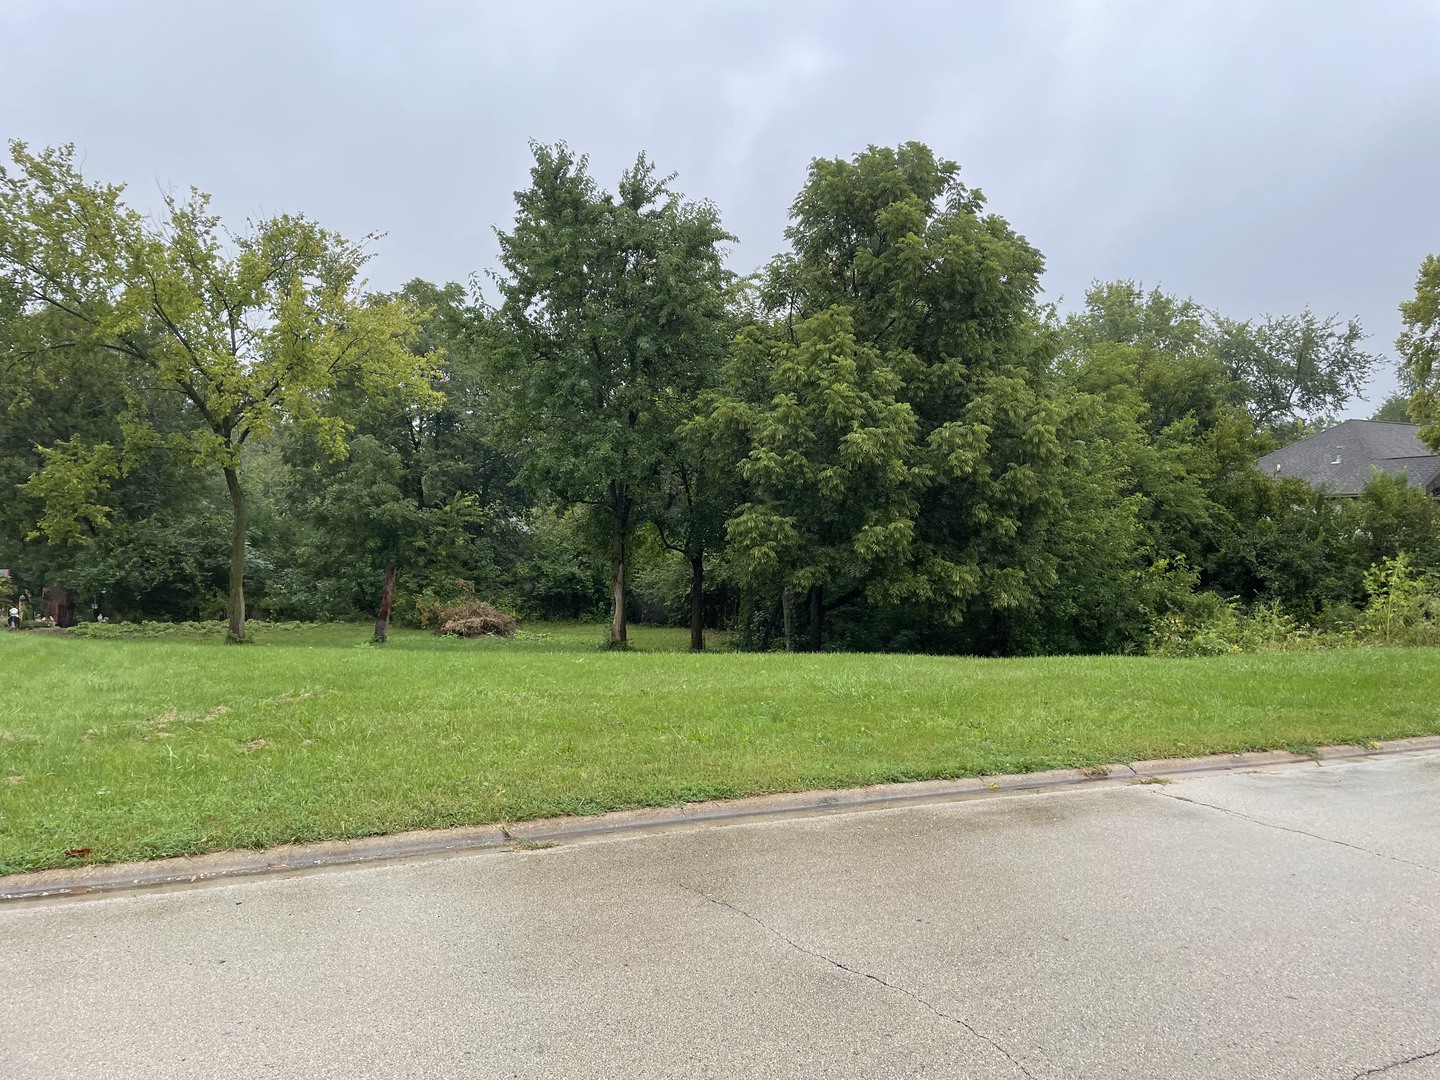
[[1211, 395], [1395, 409], [424, 490], [1419, 348], [700, 485], [1390, 517], [359, 524], [157, 554], [245, 330], [1294, 368], [1288, 371], [1172, 421], [611, 324], [945, 292], [1158, 346], [1123, 313], [829, 464], [698, 493]]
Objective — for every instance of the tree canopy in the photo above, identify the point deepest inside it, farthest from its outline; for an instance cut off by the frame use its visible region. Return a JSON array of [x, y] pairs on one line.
[[881, 440], [611, 324], [246, 330], [1419, 348]]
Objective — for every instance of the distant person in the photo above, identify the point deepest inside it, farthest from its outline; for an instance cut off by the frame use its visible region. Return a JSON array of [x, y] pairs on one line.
[[13, 622]]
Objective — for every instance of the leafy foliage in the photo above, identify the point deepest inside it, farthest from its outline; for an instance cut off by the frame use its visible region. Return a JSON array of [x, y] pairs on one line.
[[1294, 368], [611, 324], [883, 441], [1419, 348], [829, 466], [247, 330], [1404, 607]]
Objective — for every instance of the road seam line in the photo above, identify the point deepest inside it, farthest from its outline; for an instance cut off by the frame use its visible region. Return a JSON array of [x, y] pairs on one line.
[[866, 975], [1396, 1064], [1300, 832]]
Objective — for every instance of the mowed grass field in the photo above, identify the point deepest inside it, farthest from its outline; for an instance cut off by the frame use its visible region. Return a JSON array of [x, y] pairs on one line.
[[158, 746]]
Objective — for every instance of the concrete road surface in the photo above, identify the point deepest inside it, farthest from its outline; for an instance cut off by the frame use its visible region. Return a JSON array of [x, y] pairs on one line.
[[1270, 924]]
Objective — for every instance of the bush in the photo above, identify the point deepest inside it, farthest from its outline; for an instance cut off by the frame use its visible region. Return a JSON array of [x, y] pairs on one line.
[[1404, 607], [475, 618], [1221, 626]]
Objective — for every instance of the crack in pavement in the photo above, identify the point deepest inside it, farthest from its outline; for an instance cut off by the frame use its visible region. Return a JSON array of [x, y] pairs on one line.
[[866, 975], [1396, 1064], [1300, 832]]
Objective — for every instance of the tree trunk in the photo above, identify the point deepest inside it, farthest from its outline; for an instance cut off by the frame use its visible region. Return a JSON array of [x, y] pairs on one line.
[[1001, 639], [617, 584], [237, 556], [787, 619], [769, 632], [817, 616], [747, 621], [697, 604], [382, 620]]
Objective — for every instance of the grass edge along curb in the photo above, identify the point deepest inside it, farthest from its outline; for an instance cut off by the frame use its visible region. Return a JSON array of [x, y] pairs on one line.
[[222, 866]]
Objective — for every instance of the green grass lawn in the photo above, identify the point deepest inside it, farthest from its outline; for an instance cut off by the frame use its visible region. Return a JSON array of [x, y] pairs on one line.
[[149, 747]]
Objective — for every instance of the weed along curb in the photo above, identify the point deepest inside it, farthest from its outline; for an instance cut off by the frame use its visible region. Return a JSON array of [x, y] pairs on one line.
[[94, 881]]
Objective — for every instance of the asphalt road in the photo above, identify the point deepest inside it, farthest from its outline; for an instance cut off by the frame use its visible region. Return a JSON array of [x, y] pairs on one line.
[[1270, 924]]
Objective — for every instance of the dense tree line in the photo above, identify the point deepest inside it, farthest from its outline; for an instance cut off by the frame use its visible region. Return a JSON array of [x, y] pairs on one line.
[[883, 440]]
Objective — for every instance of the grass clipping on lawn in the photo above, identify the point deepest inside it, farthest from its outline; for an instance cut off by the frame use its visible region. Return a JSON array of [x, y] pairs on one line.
[[475, 618]]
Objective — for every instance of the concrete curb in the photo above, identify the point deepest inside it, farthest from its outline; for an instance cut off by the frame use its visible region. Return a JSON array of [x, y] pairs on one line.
[[91, 881]]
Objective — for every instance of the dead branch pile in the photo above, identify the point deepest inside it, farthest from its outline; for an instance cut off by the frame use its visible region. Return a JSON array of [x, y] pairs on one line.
[[474, 618]]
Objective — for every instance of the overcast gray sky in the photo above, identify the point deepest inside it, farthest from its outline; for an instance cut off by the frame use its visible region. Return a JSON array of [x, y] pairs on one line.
[[1258, 155]]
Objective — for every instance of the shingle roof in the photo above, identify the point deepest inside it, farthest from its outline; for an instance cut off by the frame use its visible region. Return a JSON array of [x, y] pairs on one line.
[[1341, 458]]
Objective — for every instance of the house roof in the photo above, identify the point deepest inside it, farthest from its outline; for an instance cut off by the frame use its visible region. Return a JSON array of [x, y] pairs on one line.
[[1341, 458]]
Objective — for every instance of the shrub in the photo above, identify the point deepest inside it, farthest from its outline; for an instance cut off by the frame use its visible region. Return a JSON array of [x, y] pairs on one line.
[[1213, 626], [475, 618], [1404, 607]]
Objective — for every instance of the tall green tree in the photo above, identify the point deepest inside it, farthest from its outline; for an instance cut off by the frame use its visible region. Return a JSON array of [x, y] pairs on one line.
[[1160, 346], [1395, 409], [425, 496], [245, 330], [611, 324], [700, 485], [1419, 348], [1169, 409], [829, 465], [1211, 395], [945, 292], [1295, 369]]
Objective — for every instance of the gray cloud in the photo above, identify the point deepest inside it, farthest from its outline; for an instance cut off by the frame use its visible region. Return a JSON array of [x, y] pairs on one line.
[[1258, 155]]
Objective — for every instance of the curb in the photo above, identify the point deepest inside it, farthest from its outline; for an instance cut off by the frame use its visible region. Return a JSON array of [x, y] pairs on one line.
[[95, 881]]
